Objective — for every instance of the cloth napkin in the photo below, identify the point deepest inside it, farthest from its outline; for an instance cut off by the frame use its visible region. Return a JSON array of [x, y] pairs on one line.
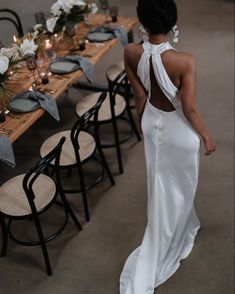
[[6, 151], [85, 64], [120, 33], [46, 102]]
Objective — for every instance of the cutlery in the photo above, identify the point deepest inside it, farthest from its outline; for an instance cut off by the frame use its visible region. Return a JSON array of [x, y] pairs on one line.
[[7, 112], [6, 131]]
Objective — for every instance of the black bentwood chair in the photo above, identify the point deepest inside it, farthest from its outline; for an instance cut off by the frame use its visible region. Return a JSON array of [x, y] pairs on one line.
[[29, 195], [113, 108], [79, 148], [11, 16]]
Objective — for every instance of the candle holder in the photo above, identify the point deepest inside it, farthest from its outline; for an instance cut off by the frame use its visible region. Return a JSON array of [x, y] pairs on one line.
[[82, 45], [113, 11], [48, 49]]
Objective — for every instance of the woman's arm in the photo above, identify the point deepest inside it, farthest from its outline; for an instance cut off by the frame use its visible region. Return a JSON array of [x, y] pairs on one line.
[[131, 69], [189, 104]]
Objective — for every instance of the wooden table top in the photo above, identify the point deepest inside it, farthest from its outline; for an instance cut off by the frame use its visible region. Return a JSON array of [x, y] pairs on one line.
[[22, 121]]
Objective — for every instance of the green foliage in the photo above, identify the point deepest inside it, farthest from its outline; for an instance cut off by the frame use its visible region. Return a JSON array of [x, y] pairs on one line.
[[77, 14]]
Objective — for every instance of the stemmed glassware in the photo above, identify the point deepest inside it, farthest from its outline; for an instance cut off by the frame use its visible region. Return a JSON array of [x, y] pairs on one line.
[[31, 64]]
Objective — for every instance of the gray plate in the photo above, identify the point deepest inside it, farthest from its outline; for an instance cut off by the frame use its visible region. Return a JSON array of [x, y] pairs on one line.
[[100, 36], [63, 66], [22, 103]]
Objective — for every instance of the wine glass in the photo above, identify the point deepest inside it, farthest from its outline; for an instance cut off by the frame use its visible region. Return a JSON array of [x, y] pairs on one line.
[[31, 64], [104, 5], [71, 32]]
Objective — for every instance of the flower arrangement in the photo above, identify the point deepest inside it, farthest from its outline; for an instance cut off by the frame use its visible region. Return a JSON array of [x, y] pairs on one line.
[[68, 10], [7, 57], [11, 56]]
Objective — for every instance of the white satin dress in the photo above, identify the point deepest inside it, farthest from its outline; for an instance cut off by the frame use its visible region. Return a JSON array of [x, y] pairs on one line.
[[172, 160]]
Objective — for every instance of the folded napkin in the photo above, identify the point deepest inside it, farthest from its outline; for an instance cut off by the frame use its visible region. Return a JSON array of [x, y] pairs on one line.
[[85, 64], [6, 151], [46, 102], [120, 33]]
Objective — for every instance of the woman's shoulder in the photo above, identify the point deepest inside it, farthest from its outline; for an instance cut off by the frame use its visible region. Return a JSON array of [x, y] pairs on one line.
[[185, 59], [133, 51], [181, 62]]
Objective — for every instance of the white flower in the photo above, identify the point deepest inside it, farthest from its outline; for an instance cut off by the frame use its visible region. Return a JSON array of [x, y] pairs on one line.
[[56, 9], [79, 3], [28, 47], [94, 8], [9, 52], [4, 64], [66, 5], [38, 27], [50, 24]]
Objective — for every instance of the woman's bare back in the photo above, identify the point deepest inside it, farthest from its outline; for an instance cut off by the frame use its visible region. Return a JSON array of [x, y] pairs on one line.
[[173, 62]]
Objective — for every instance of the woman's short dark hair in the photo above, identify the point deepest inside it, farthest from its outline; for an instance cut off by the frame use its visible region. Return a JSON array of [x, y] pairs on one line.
[[157, 16]]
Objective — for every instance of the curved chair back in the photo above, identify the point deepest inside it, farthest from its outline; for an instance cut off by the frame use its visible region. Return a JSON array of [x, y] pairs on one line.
[[12, 16], [83, 121], [119, 85], [41, 167], [119, 82]]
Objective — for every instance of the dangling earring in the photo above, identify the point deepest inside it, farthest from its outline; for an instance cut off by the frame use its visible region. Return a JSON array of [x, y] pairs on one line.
[[143, 34], [176, 34]]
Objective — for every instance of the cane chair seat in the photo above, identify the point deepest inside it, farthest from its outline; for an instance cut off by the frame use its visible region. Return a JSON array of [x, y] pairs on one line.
[[114, 70], [85, 140], [14, 202], [105, 110]]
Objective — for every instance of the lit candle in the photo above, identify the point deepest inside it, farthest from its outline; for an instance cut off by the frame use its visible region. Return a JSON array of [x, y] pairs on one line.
[[48, 44], [16, 40], [48, 49]]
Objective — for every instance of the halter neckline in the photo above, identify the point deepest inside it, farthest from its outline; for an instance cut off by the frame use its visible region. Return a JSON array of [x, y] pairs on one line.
[[153, 52], [152, 44]]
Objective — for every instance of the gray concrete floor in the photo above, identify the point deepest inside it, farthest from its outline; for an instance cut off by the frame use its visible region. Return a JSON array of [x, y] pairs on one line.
[[91, 261]]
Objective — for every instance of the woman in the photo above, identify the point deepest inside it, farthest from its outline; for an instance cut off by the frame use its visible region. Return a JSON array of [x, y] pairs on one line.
[[164, 83]]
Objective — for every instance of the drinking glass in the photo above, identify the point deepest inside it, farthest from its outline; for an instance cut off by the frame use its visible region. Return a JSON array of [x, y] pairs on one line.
[[104, 5], [71, 32], [31, 64], [113, 11], [40, 18]]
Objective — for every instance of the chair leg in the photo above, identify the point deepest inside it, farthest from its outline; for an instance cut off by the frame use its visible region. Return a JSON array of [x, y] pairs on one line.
[[116, 138], [133, 124], [105, 164], [70, 211], [84, 193], [4, 235], [43, 244], [128, 108]]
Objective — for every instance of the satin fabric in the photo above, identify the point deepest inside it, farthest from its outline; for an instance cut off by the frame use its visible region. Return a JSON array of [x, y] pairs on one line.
[[172, 161]]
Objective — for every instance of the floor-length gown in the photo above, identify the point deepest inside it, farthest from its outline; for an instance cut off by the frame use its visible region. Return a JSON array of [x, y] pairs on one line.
[[172, 160]]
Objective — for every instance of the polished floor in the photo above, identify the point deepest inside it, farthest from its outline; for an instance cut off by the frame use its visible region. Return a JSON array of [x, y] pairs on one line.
[[90, 262]]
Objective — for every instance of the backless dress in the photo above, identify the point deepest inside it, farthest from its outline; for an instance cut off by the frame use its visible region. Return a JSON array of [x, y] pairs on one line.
[[172, 161]]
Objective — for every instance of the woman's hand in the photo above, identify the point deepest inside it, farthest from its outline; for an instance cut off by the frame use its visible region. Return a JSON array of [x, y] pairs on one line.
[[209, 145]]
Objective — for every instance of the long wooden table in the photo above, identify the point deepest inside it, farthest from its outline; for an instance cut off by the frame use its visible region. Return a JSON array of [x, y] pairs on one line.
[[21, 122]]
